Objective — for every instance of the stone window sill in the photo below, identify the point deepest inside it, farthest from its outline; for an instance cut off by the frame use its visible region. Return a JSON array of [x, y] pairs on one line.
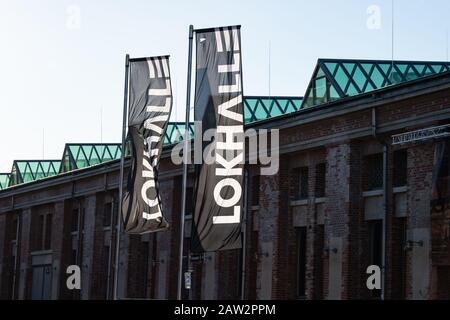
[[302, 202], [400, 189], [373, 193]]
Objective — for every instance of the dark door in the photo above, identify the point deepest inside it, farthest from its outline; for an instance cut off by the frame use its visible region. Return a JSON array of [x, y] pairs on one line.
[[41, 287]]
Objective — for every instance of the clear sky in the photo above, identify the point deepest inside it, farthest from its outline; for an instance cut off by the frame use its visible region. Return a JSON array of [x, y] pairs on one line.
[[62, 62]]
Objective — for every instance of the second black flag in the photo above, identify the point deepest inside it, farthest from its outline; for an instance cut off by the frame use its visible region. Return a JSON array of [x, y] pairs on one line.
[[218, 105], [149, 113]]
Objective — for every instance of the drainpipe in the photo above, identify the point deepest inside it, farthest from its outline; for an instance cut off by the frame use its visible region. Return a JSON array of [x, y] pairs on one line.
[[385, 219], [384, 256], [16, 257], [374, 123], [111, 233]]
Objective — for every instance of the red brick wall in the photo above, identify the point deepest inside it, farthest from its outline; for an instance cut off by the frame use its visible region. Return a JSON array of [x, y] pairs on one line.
[[271, 222]]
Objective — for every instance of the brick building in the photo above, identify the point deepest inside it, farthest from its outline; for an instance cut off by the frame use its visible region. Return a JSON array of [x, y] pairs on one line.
[[312, 229]]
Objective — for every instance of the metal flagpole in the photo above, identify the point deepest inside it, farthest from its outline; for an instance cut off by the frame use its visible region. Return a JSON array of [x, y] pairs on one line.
[[122, 160], [245, 200], [185, 163], [392, 41], [244, 235]]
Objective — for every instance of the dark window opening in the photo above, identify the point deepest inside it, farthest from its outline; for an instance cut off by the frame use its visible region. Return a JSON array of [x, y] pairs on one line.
[[48, 232], [373, 172], [443, 280], [318, 262], [375, 248], [42, 232], [303, 183], [301, 261], [400, 173], [320, 180], [14, 228], [74, 257], [444, 171], [190, 201], [13, 250], [74, 222], [442, 177], [107, 214], [82, 215]]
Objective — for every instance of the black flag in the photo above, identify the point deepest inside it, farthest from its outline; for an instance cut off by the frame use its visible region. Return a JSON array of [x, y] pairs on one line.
[[149, 112], [218, 104]]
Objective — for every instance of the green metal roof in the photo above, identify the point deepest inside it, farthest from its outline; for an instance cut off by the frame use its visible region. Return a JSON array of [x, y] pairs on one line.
[[260, 108], [175, 132], [256, 108], [332, 79], [82, 155], [4, 180], [338, 78], [30, 170]]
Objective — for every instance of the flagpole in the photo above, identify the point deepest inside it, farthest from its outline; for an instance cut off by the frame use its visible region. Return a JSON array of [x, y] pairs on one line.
[[244, 235], [122, 160], [245, 200], [185, 164]]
